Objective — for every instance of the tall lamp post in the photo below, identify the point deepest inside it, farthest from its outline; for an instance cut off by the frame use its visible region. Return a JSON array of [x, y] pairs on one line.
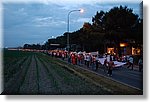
[[68, 43]]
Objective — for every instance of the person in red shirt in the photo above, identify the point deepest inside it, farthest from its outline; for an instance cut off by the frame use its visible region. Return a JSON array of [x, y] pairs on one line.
[[73, 59]]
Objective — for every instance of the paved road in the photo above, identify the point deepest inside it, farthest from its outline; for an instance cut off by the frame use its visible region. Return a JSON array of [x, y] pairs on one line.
[[130, 77], [123, 74]]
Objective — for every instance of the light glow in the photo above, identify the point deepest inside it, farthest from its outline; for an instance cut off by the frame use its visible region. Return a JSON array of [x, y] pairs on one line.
[[123, 44], [81, 10], [110, 50]]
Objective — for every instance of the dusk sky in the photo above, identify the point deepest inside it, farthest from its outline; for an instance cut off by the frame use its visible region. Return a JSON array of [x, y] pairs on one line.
[[25, 21]]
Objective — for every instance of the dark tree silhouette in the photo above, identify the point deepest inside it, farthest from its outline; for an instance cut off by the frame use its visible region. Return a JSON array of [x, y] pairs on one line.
[[119, 24]]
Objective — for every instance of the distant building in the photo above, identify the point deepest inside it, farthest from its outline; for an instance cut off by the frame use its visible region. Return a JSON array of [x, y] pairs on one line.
[[123, 48]]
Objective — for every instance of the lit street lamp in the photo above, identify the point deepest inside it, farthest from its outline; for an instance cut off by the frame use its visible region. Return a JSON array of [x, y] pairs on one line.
[[81, 11]]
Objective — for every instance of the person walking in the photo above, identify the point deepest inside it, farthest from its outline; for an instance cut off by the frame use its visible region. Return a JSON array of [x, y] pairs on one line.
[[97, 59], [85, 59], [140, 63], [63, 56], [105, 65], [88, 60], [130, 62], [79, 59], [93, 61], [73, 59], [110, 67], [69, 57]]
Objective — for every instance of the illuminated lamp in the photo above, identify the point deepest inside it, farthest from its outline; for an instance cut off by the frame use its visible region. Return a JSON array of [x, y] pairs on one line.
[[123, 44]]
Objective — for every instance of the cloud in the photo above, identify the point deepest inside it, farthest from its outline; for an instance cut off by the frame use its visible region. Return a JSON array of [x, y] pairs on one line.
[[22, 12], [82, 20], [47, 21], [42, 19]]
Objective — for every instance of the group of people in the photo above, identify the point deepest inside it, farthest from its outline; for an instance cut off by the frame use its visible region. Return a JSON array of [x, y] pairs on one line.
[[87, 59], [58, 54], [91, 60], [83, 58]]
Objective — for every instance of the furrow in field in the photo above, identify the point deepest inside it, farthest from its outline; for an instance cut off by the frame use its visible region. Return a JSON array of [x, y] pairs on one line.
[[13, 85], [60, 85], [13, 63], [30, 84], [69, 83], [13, 69], [47, 84]]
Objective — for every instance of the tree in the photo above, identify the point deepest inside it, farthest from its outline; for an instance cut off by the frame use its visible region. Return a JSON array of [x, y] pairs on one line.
[[98, 19], [120, 19], [118, 24], [32, 46]]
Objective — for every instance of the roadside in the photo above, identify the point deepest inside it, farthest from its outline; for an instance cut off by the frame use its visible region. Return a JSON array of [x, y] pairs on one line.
[[98, 79], [124, 75]]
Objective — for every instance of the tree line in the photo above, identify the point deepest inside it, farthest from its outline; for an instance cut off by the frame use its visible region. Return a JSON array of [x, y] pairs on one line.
[[119, 24]]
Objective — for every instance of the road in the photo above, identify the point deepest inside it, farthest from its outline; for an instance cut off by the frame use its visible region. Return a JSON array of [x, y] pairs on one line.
[[124, 75]]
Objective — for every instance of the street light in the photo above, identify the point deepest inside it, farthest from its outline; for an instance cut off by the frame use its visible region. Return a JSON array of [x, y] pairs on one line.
[[81, 11]]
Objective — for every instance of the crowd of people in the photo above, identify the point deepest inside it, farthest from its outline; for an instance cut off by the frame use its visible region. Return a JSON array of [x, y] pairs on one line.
[[75, 58], [91, 60]]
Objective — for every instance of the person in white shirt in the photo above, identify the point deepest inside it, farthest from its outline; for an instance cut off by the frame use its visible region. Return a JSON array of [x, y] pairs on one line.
[[130, 62], [88, 60], [85, 59]]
